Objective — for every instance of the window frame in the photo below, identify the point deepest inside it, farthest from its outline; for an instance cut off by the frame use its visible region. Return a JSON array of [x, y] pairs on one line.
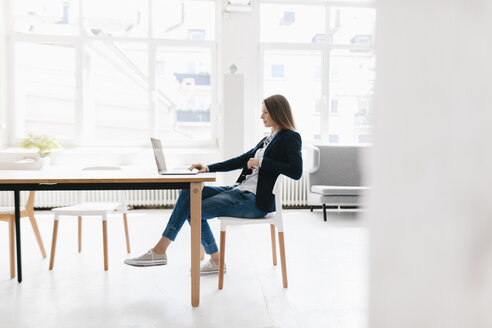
[[325, 48], [83, 117]]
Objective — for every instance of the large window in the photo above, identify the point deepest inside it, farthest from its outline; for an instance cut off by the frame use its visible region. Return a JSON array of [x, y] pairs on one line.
[[300, 67], [45, 89], [321, 57], [110, 72]]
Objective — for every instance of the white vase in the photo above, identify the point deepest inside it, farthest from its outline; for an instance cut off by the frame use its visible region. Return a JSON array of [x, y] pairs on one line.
[[45, 161]]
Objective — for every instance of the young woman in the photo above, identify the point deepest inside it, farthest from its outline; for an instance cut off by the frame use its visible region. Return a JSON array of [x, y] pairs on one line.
[[250, 197]]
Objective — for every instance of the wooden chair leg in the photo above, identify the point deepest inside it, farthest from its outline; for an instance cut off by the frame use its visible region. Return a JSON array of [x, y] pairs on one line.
[[282, 258], [274, 244], [125, 223], [105, 243], [80, 233], [53, 243], [34, 225], [12, 247], [222, 259], [202, 253]]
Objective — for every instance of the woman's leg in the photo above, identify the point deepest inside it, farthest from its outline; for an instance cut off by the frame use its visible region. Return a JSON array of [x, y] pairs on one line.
[[216, 201], [180, 214], [236, 203]]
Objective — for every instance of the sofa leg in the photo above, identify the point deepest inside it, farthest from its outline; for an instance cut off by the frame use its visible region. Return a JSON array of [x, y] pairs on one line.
[[324, 212], [311, 208]]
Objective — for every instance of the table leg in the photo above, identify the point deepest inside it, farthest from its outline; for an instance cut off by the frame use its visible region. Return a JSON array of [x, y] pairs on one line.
[[195, 218], [17, 234]]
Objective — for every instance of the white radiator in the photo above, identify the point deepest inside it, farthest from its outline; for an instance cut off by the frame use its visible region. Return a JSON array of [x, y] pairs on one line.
[[294, 194]]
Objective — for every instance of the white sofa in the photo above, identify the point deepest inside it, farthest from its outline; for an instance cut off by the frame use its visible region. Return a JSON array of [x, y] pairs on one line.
[[335, 177]]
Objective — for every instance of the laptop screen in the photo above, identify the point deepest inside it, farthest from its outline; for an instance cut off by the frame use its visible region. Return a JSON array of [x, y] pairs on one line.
[[158, 154]]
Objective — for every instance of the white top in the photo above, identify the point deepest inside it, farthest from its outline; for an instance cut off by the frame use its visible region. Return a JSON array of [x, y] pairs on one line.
[[71, 174], [251, 181]]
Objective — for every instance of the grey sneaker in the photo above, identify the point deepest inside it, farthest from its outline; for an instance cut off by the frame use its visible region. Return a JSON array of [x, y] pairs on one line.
[[148, 259], [210, 267]]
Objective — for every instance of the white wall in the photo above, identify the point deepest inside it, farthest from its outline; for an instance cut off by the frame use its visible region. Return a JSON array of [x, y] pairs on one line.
[[431, 168], [3, 72]]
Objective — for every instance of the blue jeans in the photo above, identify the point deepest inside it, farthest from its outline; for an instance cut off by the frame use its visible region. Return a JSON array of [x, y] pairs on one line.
[[216, 201]]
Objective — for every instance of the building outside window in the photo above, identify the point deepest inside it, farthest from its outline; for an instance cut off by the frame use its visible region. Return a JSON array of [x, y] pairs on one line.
[[333, 138], [114, 72], [362, 115], [317, 109], [335, 40], [118, 71], [334, 106], [364, 138], [277, 71]]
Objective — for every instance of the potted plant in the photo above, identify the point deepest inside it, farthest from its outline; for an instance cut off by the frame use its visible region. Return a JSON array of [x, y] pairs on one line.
[[44, 144]]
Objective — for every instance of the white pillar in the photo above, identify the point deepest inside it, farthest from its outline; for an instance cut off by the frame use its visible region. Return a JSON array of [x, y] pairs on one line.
[[239, 46], [232, 122], [431, 166]]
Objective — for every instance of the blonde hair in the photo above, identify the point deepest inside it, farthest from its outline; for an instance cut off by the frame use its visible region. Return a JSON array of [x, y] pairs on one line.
[[279, 109]]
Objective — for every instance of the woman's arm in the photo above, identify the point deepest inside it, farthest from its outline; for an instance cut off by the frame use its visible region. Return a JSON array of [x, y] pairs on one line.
[[234, 163], [293, 167], [230, 164]]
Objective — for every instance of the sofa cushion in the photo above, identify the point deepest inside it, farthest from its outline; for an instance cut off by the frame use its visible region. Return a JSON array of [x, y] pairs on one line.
[[338, 190], [336, 166]]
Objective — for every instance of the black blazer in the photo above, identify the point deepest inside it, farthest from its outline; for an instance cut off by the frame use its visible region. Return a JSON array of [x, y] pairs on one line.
[[282, 156]]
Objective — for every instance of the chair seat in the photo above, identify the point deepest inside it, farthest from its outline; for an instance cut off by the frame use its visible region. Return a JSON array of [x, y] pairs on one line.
[[8, 210], [87, 209], [230, 220], [276, 223], [339, 190]]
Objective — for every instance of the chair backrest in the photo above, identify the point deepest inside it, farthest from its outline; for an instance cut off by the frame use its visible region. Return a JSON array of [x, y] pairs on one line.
[[277, 187], [277, 191], [335, 165]]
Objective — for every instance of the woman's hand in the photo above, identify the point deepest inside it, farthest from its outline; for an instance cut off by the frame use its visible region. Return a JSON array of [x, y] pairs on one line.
[[253, 163], [201, 168]]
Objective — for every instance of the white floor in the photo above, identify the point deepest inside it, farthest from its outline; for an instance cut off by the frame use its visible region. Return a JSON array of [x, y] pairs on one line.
[[327, 265]]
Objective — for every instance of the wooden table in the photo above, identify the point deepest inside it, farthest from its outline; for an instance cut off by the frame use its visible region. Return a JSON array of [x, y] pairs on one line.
[[127, 179]]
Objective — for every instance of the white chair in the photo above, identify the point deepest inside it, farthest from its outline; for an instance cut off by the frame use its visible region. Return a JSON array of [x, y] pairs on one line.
[[8, 214], [91, 209], [274, 219]]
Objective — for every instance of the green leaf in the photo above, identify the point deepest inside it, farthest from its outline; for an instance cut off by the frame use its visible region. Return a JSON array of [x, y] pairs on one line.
[[44, 144]]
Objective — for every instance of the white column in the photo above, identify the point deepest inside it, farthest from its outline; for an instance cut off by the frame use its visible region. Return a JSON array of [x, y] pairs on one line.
[[431, 166], [232, 122], [239, 46]]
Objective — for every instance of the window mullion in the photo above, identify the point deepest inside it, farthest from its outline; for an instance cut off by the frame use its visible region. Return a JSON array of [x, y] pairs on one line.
[[325, 104], [79, 94], [214, 100], [217, 77], [79, 82], [84, 95], [13, 115], [152, 90], [261, 63]]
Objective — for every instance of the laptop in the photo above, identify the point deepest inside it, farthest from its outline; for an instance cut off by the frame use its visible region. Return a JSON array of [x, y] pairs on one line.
[[161, 161]]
